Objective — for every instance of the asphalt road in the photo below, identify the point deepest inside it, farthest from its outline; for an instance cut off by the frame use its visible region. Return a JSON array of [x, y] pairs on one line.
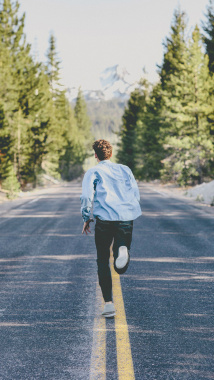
[[50, 324]]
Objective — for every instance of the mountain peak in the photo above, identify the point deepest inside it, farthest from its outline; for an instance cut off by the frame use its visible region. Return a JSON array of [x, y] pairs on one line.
[[115, 83], [113, 74]]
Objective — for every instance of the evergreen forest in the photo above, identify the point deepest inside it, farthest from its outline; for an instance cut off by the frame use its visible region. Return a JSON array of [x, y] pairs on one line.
[[166, 131], [167, 128], [40, 133]]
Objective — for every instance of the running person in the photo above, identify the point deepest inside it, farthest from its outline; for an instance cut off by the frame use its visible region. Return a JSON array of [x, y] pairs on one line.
[[116, 198]]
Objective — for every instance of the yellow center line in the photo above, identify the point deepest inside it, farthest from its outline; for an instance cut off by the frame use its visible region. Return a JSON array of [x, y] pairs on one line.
[[98, 356], [124, 356]]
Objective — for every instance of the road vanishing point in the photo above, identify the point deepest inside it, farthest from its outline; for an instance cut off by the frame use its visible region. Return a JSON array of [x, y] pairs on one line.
[[50, 303]]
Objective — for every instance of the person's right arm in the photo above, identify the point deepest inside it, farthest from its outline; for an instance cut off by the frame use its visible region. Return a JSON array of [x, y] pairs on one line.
[[88, 189]]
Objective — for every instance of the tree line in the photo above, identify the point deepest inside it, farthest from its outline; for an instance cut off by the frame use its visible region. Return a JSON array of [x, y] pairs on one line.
[[39, 130], [168, 128]]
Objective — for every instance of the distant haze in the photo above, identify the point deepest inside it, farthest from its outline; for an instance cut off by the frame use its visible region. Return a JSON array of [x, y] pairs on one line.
[[95, 34]]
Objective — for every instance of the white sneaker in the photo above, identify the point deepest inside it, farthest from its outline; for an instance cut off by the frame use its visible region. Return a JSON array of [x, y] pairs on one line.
[[123, 258], [109, 310]]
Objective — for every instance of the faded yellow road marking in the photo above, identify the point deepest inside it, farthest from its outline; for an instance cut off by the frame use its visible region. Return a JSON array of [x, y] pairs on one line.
[[124, 356], [98, 356]]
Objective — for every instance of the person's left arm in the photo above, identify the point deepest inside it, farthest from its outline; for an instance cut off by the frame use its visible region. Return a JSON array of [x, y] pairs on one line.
[[134, 185]]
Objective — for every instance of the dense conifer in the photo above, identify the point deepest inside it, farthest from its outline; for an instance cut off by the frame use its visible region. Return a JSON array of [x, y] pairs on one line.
[[208, 28], [175, 47], [150, 151], [168, 130], [128, 145], [38, 129], [186, 107], [83, 126], [12, 48]]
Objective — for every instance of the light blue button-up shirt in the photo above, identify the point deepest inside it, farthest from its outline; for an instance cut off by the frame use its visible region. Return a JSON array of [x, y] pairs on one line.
[[113, 191]]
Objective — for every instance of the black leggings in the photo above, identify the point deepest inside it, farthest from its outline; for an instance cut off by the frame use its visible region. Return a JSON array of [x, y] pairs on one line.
[[105, 233]]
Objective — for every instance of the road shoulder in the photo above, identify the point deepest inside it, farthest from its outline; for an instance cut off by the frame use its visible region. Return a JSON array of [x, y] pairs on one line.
[[172, 191]]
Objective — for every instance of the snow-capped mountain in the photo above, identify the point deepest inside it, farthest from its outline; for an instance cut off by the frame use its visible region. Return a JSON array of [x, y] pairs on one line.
[[115, 82], [114, 74]]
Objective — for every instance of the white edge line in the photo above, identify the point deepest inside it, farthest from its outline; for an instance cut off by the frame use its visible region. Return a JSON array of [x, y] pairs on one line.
[[34, 200], [163, 194]]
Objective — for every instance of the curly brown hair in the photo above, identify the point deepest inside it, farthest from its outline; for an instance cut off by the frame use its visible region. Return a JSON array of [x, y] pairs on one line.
[[103, 149]]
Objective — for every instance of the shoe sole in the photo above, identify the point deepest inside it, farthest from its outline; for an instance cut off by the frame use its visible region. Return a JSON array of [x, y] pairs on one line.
[[109, 315], [122, 270], [125, 259]]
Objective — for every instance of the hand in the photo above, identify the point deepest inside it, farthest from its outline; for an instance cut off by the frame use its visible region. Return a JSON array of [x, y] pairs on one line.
[[86, 226]]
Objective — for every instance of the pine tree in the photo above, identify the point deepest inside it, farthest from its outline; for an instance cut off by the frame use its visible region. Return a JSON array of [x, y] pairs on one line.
[[12, 47], [37, 124], [208, 38], [159, 119], [149, 145], [38, 117], [208, 28], [5, 144], [53, 67], [200, 107], [55, 140], [127, 147], [83, 127], [186, 108], [71, 161], [7, 174], [175, 47], [11, 184], [172, 73], [69, 135]]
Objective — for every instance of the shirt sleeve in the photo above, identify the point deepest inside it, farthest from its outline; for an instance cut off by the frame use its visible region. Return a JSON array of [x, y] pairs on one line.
[[134, 185], [88, 189]]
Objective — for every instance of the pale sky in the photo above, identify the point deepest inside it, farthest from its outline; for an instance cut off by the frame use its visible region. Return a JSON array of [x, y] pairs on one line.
[[94, 34]]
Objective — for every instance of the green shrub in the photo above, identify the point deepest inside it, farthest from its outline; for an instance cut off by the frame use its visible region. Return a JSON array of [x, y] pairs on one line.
[[11, 184]]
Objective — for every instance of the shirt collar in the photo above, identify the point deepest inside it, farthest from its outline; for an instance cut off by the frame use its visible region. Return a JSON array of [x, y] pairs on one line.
[[104, 161]]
